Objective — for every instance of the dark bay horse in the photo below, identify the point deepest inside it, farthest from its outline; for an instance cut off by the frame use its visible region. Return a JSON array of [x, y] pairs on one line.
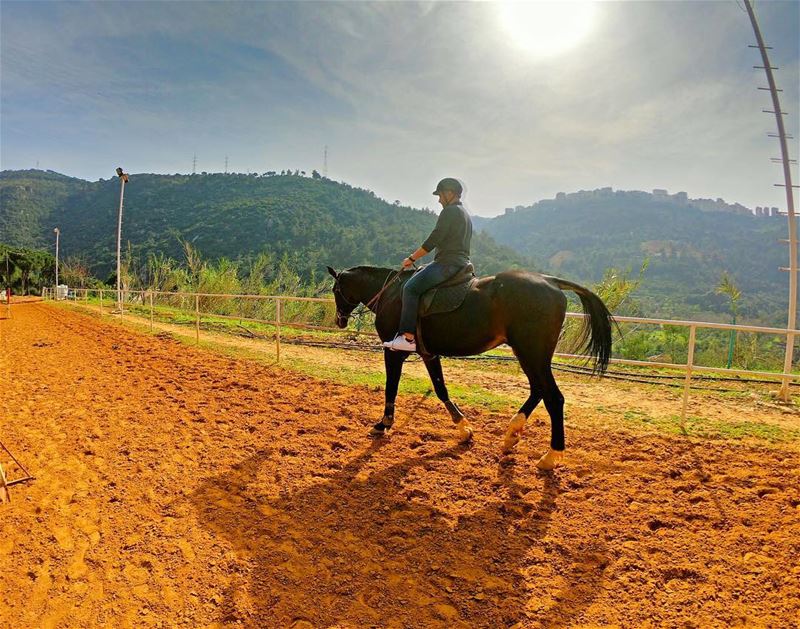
[[525, 310]]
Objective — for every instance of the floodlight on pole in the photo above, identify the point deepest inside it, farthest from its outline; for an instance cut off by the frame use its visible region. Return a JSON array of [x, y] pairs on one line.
[[57, 232], [123, 179]]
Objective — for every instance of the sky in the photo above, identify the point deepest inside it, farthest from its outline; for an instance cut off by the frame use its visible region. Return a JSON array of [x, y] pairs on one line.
[[515, 101]]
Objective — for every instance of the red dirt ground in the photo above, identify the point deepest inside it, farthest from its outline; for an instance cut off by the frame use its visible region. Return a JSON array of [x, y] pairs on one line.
[[177, 487]]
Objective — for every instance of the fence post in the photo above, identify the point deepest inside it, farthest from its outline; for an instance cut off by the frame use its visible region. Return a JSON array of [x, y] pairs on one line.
[[197, 318], [86, 296], [687, 384], [101, 301], [784, 393], [278, 329], [151, 310]]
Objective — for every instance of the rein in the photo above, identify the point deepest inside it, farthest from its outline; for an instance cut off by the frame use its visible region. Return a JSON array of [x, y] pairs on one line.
[[368, 306], [386, 284]]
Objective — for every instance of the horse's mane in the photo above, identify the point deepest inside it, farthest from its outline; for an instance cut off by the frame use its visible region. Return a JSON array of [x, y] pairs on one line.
[[375, 270]]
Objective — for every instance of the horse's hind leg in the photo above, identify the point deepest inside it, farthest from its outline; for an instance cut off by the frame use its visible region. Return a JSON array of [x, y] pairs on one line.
[[543, 386], [393, 362], [517, 424], [434, 367], [554, 402]]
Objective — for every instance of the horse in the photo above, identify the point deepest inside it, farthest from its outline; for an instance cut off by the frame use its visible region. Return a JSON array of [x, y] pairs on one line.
[[523, 309]]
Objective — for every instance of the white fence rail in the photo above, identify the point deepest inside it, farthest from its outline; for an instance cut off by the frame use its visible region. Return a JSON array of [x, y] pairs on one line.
[[147, 297]]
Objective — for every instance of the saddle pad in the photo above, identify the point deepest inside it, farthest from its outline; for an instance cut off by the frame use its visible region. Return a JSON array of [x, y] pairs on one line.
[[441, 299]]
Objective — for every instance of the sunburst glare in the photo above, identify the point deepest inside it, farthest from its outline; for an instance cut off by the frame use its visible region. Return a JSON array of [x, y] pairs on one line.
[[546, 29]]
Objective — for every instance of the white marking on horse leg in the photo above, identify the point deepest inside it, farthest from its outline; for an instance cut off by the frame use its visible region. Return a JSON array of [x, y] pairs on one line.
[[514, 432], [550, 460], [465, 431]]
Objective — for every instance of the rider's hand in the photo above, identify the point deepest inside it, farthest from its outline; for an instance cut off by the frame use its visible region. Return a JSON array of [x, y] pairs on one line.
[[407, 262]]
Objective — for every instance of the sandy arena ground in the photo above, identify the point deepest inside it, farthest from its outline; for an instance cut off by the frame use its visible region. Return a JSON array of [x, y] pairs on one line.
[[177, 487]]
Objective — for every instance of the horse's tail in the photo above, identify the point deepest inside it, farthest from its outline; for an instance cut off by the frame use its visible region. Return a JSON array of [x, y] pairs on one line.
[[595, 335]]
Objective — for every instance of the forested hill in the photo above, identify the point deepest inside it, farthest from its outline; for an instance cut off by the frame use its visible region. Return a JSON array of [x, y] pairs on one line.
[[28, 200], [316, 221], [579, 235]]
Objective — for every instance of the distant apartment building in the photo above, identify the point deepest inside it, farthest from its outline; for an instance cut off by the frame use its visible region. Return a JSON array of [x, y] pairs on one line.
[[768, 212]]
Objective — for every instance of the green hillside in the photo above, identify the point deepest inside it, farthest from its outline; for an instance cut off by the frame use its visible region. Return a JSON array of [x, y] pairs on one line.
[[580, 235], [28, 200], [315, 221]]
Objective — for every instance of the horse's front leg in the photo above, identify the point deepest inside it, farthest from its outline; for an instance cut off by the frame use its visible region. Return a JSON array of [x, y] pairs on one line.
[[434, 366], [393, 362]]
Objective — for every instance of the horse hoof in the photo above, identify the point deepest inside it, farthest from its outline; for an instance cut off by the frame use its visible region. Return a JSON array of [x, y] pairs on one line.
[[465, 432], [550, 460], [514, 433], [510, 442]]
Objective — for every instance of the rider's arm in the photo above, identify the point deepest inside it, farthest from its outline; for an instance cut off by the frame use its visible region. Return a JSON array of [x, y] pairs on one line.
[[419, 253], [443, 225], [407, 262]]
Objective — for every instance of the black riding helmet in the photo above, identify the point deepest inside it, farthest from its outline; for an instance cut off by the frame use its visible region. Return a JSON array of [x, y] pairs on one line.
[[451, 184]]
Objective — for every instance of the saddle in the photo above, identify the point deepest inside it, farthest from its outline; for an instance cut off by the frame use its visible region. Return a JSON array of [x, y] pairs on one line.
[[445, 297], [448, 295]]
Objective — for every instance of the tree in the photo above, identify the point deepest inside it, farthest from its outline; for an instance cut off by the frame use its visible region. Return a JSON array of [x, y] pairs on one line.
[[74, 271], [727, 287]]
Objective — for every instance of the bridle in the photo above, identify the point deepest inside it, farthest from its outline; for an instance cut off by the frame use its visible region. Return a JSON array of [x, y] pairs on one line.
[[340, 318]]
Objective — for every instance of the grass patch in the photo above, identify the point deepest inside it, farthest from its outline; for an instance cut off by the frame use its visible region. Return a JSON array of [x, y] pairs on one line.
[[714, 429], [706, 428], [369, 374]]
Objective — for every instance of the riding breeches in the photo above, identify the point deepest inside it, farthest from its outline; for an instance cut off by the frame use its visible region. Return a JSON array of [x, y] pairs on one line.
[[426, 278]]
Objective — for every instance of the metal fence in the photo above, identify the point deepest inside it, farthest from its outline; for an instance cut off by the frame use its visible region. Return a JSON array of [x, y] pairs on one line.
[[193, 301]]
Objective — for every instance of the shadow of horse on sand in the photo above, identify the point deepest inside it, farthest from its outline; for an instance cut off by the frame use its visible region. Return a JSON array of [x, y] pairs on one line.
[[352, 551]]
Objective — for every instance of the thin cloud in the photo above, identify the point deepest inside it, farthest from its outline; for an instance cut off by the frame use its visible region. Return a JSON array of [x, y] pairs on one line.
[[658, 95]]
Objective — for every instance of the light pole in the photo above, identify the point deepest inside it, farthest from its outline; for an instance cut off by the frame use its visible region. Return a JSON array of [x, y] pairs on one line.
[[791, 324], [57, 232], [123, 179]]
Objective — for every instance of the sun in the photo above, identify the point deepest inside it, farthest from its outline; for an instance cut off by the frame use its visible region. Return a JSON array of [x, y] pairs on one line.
[[546, 29]]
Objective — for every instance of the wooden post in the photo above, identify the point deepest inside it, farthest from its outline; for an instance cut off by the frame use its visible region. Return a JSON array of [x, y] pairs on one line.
[[197, 318], [151, 310], [687, 384], [278, 329], [101, 301], [4, 495]]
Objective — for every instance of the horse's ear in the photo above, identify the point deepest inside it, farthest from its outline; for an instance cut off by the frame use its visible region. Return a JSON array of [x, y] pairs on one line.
[[333, 273]]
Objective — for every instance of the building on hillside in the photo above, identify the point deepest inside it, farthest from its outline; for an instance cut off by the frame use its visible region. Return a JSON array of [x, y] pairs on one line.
[[768, 212]]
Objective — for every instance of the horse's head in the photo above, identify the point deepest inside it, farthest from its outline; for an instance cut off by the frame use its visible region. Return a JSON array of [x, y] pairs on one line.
[[342, 293]]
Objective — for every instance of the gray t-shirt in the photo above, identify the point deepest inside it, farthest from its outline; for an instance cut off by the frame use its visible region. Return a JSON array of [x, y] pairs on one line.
[[452, 235]]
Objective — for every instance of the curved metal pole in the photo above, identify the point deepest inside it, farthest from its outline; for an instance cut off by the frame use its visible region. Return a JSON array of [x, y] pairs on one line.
[[787, 176]]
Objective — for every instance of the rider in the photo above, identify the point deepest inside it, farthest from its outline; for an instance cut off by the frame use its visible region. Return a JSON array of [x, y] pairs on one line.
[[451, 238]]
